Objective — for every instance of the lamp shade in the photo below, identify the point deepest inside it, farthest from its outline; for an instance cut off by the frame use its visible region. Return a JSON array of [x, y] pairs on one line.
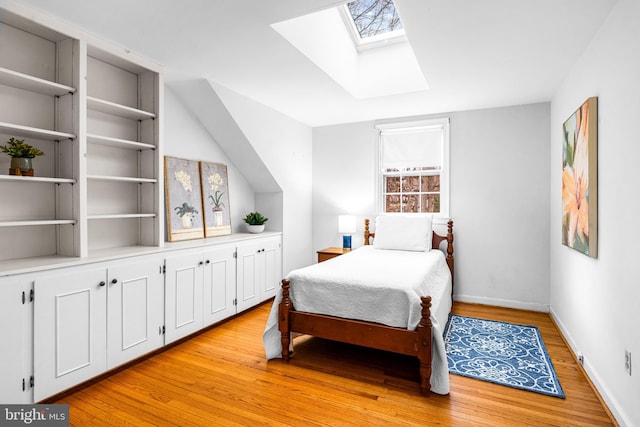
[[346, 224]]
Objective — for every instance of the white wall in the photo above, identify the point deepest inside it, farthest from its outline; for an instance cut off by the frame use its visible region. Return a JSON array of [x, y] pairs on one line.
[[595, 301], [499, 193], [343, 180], [284, 145], [499, 198], [185, 137]]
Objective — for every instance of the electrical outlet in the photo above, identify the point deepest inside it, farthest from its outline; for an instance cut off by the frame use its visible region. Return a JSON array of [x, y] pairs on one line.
[[627, 361]]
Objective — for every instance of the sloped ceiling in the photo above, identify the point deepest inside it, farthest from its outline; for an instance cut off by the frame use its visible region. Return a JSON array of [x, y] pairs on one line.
[[474, 54]]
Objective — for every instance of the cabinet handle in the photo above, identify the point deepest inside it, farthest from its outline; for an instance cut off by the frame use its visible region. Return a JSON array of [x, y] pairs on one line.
[[102, 283], [114, 281], [208, 261], [201, 263]]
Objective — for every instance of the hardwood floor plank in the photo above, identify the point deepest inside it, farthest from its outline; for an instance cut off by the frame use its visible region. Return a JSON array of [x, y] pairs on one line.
[[221, 377]]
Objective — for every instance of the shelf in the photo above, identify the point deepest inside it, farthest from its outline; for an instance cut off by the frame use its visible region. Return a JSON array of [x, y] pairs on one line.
[[121, 179], [33, 84], [31, 132], [117, 109], [120, 216], [120, 143], [37, 222], [31, 179]]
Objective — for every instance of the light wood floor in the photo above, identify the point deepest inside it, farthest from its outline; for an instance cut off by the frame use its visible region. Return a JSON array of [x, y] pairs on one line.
[[221, 378]]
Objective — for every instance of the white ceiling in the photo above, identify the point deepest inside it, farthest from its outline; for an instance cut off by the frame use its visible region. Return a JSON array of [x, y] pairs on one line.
[[473, 53]]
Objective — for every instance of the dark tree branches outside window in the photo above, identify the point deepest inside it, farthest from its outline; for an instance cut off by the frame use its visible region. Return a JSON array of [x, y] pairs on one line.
[[373, 17]]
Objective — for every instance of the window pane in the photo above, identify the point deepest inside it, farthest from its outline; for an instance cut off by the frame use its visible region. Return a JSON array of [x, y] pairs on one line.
[[410, 184], [431, 183], [373, 17], [411, 203], [392, 204], [430, 203], [393, 184]]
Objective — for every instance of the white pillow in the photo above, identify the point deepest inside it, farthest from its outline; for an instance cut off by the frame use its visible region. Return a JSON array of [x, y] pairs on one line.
[[404, 232]]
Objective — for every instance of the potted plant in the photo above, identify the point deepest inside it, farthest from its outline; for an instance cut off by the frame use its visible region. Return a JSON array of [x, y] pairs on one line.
[[255, 222], [216, 200], [186, 212], [21, 155]]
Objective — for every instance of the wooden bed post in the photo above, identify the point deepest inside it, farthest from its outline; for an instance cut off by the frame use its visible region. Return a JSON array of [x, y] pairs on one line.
[[366, 232], [285, 307], [424, 345], [450, 251]]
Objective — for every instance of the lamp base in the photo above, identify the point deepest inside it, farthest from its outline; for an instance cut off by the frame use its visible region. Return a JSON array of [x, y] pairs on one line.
[[346, 242]]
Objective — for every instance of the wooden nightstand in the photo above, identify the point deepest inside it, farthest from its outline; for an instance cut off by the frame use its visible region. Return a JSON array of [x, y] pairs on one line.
[[328, 253]]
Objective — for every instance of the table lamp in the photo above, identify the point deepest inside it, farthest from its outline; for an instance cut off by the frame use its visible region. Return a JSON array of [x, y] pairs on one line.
[[346, 226]]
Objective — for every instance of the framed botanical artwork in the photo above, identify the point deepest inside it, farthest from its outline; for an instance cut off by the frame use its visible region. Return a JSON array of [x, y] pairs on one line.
[[215, 199], [183, 199], [580, 179]]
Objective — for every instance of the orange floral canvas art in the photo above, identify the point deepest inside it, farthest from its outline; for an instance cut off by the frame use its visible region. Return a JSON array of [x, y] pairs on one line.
[[579, 179]]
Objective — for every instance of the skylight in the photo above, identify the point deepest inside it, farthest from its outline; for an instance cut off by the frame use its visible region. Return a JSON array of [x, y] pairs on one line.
[[373, 21], [373, 17]]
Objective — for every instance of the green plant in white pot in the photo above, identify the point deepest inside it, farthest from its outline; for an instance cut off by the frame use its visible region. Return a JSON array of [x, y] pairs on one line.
[[186, 213], [255, 222], [21, 155], [216, 201]]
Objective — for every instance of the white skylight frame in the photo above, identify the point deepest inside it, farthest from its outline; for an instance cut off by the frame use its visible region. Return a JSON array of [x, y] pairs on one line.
[[379, 40]]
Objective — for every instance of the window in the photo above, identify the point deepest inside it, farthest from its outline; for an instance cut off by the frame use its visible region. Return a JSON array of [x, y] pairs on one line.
[[373, 22], [414, 167]]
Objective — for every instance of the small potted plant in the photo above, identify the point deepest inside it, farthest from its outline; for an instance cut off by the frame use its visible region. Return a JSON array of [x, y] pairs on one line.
[[21, 155], [216, 200], [255, 222], [186, 212]]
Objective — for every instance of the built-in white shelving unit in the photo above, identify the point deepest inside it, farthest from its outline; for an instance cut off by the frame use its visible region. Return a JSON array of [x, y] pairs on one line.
[[95, 111], [123, 155]]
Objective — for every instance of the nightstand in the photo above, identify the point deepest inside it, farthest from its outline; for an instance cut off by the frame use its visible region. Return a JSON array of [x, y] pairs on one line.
[[328, 253]]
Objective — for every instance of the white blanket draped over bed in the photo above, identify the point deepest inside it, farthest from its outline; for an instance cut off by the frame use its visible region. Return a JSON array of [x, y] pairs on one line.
[[375, 285]]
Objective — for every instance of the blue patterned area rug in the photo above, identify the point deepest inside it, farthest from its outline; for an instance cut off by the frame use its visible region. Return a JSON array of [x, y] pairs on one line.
[[501, 353]]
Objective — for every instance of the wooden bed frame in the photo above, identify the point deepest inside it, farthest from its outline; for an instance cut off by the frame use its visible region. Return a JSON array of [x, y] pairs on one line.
[[374, 335]]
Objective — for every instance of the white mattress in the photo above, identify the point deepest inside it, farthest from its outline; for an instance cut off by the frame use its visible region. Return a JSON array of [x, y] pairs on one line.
[[374, 285]]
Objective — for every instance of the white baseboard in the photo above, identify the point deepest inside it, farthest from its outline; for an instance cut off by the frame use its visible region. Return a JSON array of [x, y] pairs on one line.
[[620, 416], [502, 303]]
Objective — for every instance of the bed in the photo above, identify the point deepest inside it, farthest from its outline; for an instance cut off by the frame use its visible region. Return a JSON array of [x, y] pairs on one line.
[[340, 299]]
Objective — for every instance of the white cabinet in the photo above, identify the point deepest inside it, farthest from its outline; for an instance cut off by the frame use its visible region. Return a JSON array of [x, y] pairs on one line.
[[205, 286], [135, 309], [16, 336], [200, 289], [259, 271], [70, 329], [183, 294], [93, 318], [219, 283]]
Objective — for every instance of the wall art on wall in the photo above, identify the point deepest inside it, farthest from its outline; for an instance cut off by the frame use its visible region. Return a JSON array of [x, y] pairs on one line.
[[183, 199], [580, 179], [215, 199]]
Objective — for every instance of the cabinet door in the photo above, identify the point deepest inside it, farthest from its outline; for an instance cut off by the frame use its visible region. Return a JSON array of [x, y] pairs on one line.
[[135, 309], [183, 295], [250, 274], [272, 252], [219, 284], [16, 336], [69, 329]]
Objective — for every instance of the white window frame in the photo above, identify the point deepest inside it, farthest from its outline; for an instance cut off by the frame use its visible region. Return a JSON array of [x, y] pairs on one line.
[[443, 124]]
